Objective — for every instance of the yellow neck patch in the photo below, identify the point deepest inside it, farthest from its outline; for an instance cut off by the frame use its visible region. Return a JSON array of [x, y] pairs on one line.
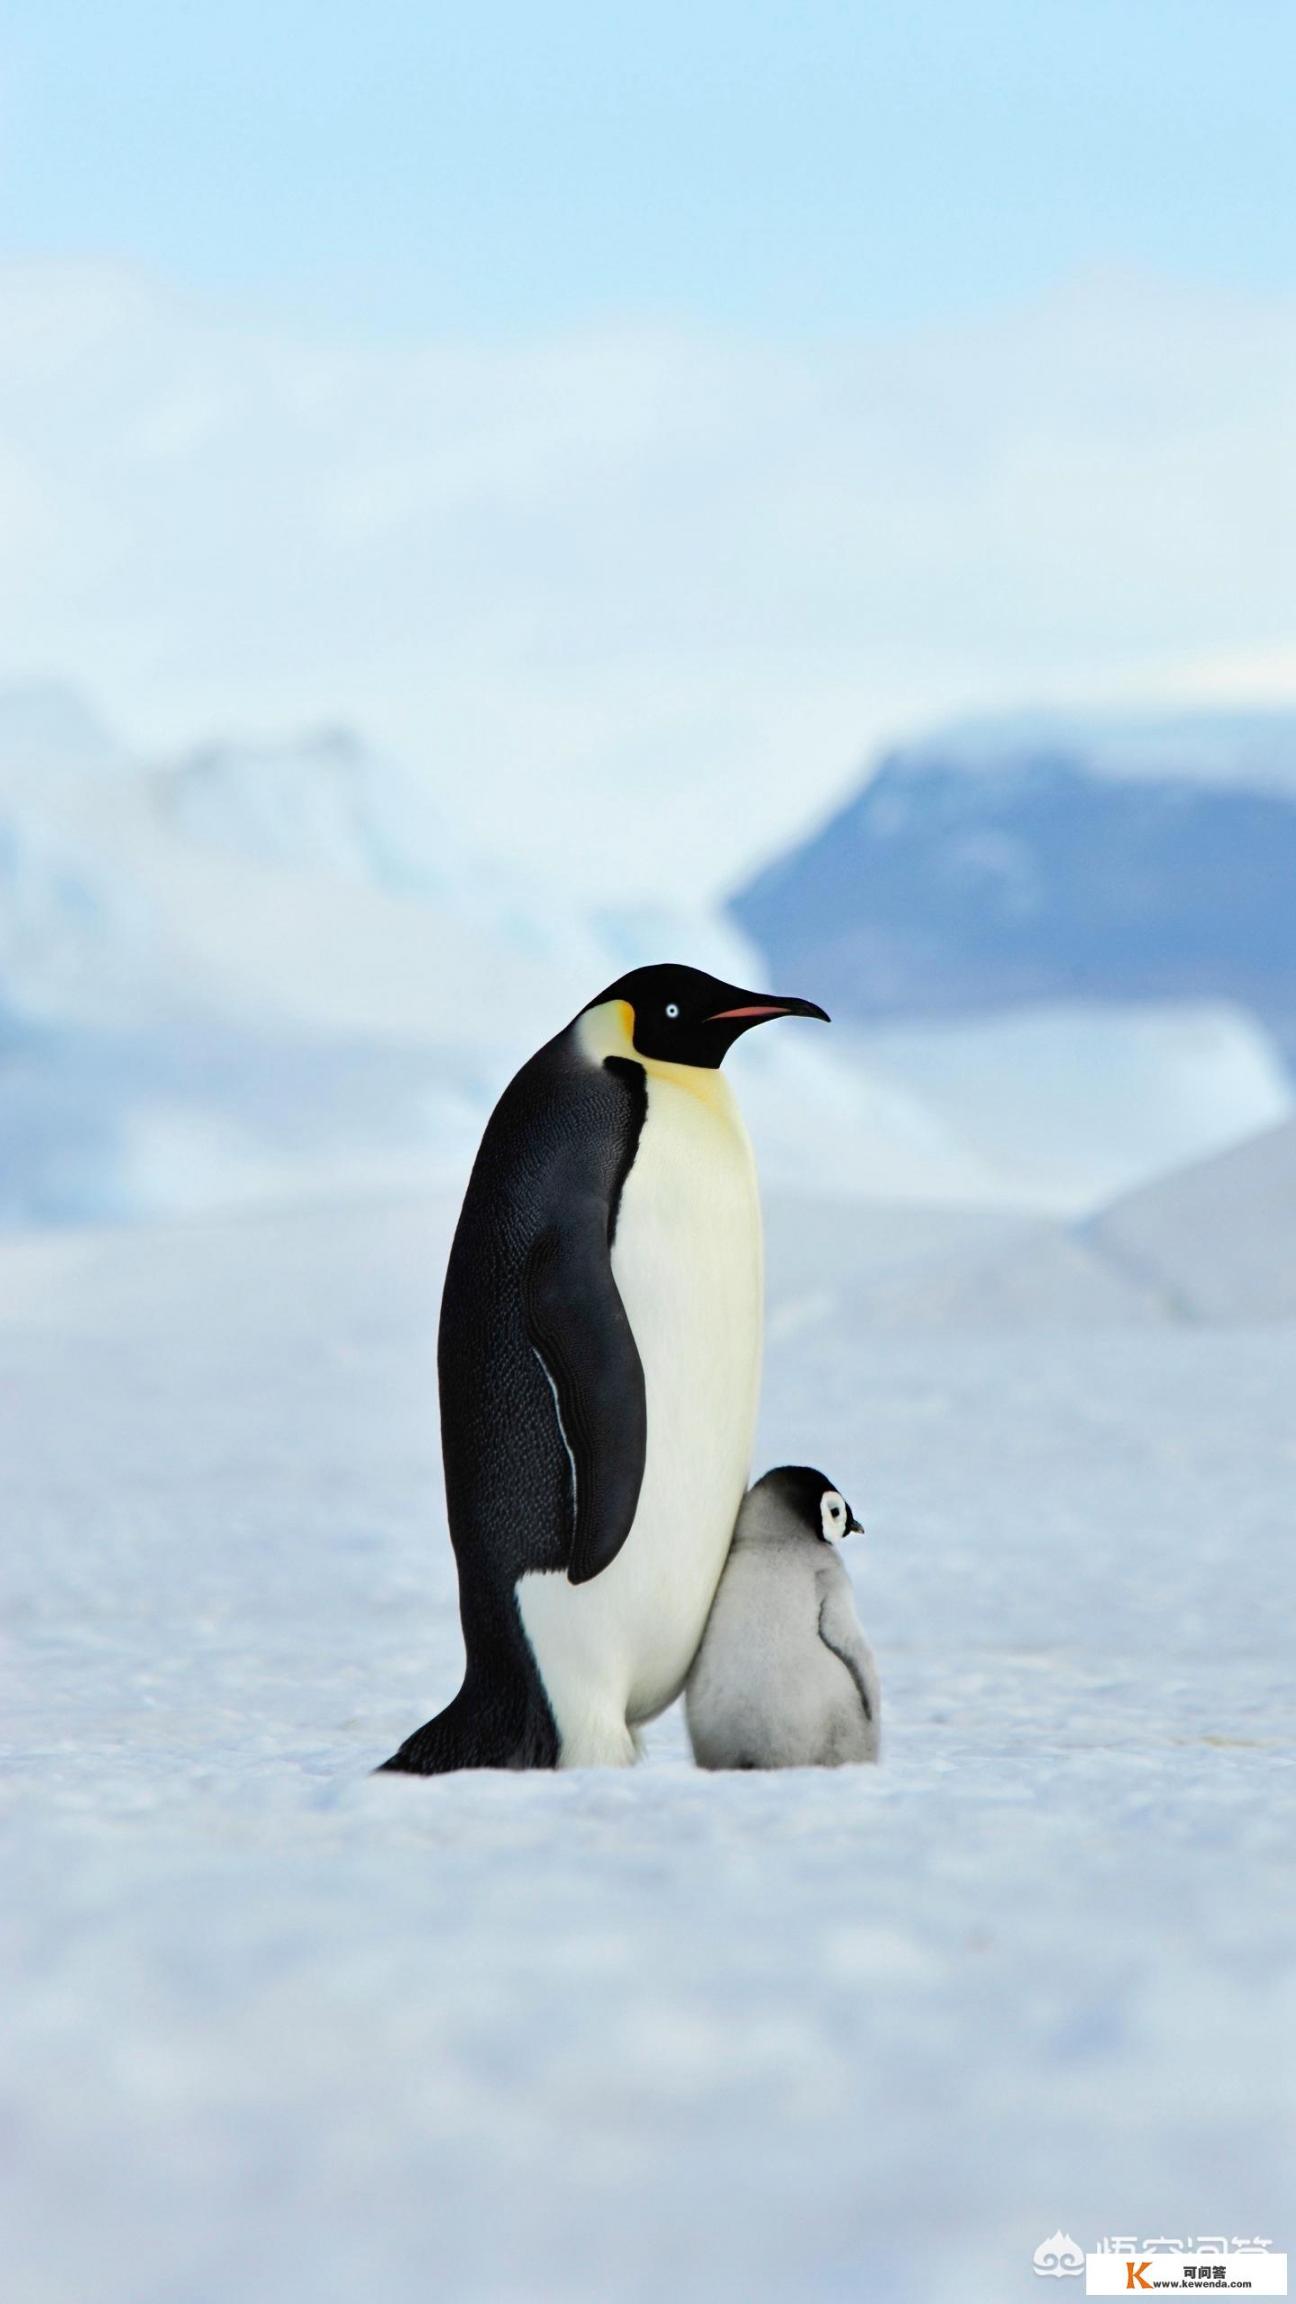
[[608, 1030]]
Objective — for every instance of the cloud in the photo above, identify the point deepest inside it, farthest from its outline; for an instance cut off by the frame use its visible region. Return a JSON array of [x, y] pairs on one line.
[[638, 599]]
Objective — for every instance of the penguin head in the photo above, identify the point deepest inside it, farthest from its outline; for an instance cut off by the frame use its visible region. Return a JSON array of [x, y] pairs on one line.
[[683, 1016], [799, 1494]]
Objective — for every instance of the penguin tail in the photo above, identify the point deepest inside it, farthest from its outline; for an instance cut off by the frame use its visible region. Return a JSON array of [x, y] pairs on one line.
[[473, 1734]]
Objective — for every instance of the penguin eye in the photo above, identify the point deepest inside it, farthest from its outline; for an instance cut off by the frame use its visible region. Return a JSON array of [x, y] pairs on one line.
[[671, 1010]]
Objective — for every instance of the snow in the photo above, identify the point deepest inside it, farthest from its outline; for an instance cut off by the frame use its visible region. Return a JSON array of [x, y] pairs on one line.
[[49, 731], [1217, 1240], [281, 2031], [834, 1262], [256, 972], [1244, 750], [278, 2030], [1067, 1105], [1019, 869]]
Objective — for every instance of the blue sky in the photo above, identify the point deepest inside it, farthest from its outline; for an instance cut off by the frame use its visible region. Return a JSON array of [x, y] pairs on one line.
[[635, 415], [798, 168]]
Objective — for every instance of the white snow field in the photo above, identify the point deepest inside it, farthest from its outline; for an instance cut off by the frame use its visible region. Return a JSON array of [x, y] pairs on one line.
[[1217, 1239], [279, 2032]]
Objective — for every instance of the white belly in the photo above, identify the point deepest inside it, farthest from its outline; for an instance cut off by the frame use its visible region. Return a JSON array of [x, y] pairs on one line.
[[687, 1261]]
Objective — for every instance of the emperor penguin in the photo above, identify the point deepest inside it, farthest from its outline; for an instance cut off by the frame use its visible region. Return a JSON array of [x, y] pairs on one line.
[[599, 1358], [784, 1677]]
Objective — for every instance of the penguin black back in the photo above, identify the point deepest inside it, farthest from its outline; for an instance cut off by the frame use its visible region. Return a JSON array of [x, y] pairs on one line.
[[528, 1283]]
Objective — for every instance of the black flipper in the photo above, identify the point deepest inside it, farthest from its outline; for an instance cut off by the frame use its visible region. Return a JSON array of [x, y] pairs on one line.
[[579, 1330], [543, 1417]]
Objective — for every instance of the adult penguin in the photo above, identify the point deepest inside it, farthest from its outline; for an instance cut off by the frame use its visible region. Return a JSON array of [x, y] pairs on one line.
[[599, 1358]]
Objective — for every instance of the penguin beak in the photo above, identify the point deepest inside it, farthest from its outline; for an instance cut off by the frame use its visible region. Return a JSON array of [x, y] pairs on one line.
[[854, 1527], [758, 1007]]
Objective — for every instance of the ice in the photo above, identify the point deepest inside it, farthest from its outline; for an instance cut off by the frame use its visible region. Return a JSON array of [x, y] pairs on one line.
[[1069, 1105], [1050, 861], [1217, 1240], [843, 1263], [48, 731], [281, 2033], [1253, 751], [182, 941], [263, 971]]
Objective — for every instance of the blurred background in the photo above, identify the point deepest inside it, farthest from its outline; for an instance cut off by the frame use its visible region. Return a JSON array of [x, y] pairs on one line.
[[486, 501], [490, 495]]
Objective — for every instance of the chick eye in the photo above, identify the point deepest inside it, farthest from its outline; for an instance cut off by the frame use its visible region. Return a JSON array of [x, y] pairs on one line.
[[671, 1009]]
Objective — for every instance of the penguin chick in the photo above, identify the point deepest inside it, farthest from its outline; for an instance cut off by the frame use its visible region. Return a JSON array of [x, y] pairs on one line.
[[784, 1677]]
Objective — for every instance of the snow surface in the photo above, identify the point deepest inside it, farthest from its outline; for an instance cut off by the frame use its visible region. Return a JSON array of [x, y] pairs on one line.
[[842, 1262], [279, 2032], [1216, 1241]]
